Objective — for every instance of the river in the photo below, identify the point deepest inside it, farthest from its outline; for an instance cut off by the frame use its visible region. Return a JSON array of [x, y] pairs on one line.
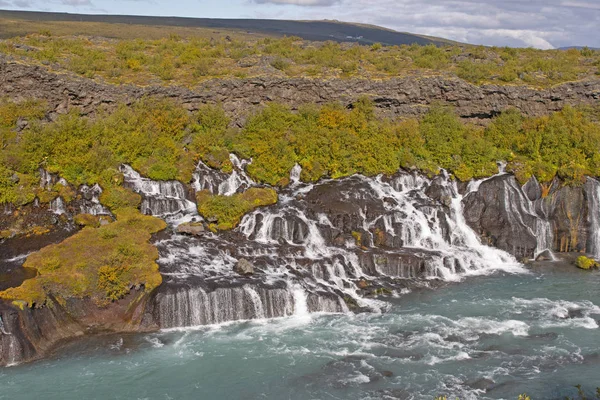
[[487, 337]]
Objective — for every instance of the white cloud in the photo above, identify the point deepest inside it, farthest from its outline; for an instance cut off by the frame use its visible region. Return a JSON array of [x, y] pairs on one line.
[[308, 3], [537, 23]]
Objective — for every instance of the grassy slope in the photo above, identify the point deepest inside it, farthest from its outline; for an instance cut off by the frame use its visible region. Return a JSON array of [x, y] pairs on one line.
[[173, 55]]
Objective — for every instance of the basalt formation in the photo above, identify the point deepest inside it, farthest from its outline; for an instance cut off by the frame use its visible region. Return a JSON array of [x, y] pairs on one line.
[[409, 96]]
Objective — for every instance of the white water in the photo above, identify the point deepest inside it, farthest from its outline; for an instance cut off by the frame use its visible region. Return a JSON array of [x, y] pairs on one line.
[[160, 198], [92, 204], [205, 178], [57, 206], [518, 205], [593, 195]]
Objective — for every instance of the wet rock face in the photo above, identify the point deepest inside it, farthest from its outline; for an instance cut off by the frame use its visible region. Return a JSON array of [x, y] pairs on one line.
[[497, 212], [568, 213], [535, 219]]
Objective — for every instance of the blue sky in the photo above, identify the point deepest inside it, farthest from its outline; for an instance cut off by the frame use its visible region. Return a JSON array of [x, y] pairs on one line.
[[535, 23]]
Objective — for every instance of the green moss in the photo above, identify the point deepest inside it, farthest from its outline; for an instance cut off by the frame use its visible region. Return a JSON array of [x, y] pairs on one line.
[[586, 263], [100, 263], [357, 238], [87, 220], [225, 212]]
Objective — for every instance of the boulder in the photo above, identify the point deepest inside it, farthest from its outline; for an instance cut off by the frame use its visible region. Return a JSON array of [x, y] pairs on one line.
[[244, 267], [191, 228], [545, 255]]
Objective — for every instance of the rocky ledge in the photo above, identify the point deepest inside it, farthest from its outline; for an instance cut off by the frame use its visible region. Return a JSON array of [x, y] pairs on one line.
[[407, 96]]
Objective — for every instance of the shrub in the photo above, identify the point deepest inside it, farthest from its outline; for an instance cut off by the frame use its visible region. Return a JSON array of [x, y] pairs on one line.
[[280, 64], [225, 212], [586, 263]]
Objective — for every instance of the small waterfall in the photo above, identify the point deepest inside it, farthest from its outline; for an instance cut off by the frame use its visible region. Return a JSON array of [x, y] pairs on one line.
[[256, 301], [295, 175], [2, 328], [300, 303], [10, 347], [238, 180], [57, 206], [47, 179], [159, 198], [593, 196], [90, 203], [521, 213], [196, 307], [205, 178]]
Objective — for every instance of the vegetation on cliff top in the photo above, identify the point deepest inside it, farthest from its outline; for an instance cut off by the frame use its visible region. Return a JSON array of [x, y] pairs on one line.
[[103, 263], [163, 141], [190, 59]]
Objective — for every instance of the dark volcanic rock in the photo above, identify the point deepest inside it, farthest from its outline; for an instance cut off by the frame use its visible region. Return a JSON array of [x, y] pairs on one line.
[[408, 96], [496, 211], [30, 333]]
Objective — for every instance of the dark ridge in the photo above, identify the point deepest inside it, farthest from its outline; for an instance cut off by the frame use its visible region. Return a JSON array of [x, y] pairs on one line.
[[308, 30]]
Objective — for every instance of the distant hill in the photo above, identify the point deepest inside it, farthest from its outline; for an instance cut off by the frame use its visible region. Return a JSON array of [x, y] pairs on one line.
[[578, 48], [308, 30]]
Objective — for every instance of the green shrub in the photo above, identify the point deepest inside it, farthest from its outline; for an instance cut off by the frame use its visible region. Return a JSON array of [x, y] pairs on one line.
[[586, 263], [225, 212], [280, 64]]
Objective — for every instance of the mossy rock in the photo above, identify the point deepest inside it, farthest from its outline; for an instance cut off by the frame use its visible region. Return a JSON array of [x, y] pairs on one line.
[[586, 263], [101, 263], [226, 212]]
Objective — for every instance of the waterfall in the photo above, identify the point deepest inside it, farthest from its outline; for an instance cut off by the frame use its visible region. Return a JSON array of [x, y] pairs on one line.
[[10, 347], [295, 175], [159, 198], [90, 203], [593, 196], [57, 206], [196, 306], [47, 179], [205, 178], [422, 227], [521, 213], [2, 328], [306, 253]]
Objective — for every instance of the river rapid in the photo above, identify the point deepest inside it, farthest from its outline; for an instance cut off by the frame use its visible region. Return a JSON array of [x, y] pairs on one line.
[[489, 337]]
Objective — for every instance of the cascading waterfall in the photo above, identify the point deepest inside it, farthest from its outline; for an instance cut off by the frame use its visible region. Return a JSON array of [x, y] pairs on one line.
[[159, 198], [422, 227], [306, 255], [593, 195], [205, 178]]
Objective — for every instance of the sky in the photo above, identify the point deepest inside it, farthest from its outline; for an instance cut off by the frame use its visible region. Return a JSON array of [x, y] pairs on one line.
[[542, 24]]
